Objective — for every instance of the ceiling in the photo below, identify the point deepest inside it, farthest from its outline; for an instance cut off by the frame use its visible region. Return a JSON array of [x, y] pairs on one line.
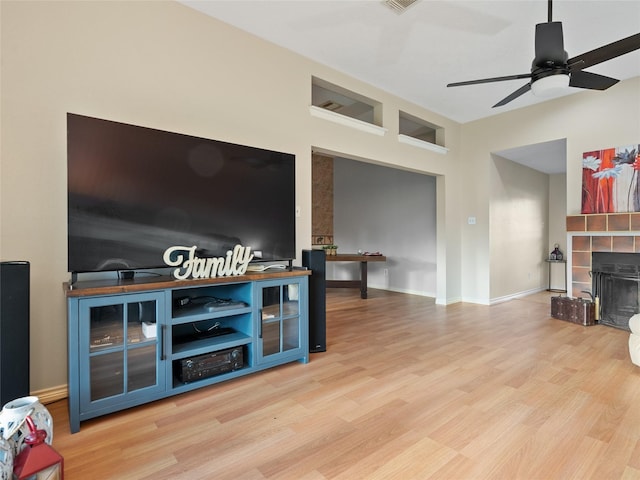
[[547, 157], [414, 54]]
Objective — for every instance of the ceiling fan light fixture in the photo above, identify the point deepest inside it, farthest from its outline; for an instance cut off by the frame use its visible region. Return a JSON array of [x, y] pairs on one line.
[[550, 85]]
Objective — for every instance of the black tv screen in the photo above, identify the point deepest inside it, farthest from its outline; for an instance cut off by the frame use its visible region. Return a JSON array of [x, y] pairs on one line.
[[135, 191]]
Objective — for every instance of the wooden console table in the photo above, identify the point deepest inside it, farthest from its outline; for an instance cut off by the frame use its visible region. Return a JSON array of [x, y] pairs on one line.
[[354, 257]]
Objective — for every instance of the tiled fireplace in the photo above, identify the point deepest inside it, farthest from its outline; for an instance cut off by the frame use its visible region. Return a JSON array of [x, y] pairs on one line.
[[616, 282], [614, 232]]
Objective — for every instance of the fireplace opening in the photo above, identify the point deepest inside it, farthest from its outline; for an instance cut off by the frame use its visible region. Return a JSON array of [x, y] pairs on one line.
[[616, 282]]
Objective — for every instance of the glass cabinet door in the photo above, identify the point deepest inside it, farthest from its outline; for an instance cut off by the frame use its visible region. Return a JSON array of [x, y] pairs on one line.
[[279, 319], [122, 347]]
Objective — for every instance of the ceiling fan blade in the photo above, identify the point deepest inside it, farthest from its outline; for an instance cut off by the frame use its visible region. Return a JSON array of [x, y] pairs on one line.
[[607, 52], [522, 90], [549, 44], [489, 80], [592, 81]]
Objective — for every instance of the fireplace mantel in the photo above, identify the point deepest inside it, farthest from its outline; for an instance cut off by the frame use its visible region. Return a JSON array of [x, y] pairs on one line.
[[602, 232], [604, 222]]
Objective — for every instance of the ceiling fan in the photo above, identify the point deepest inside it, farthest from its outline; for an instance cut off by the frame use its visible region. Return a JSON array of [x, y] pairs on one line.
[[552, 70]]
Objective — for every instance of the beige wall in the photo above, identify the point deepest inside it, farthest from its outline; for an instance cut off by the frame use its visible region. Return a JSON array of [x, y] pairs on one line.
[[557, 227], [557, 221], [558, 211], [519, 208], [162, 65], [589, 120]]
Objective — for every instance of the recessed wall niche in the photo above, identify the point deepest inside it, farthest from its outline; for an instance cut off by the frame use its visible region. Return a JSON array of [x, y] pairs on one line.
[[339, 100], [430, 135]]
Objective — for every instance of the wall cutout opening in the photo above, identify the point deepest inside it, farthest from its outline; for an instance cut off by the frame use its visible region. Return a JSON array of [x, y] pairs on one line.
[[417, 128], [339, 100]]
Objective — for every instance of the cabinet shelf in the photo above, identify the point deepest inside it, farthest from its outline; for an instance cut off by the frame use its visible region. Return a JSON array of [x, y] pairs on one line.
[[114, 347], [289, 309], [197, 314], [205, 345], [193, 302]]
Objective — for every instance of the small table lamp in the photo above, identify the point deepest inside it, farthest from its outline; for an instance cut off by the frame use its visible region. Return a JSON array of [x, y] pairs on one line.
[[38, 461]]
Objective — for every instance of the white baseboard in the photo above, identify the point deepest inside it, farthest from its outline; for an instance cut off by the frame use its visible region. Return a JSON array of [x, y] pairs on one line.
[[506, 298], [401, 290], [53, 394]]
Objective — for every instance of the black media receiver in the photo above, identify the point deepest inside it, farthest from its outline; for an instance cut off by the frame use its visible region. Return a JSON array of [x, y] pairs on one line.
[[210, 364]]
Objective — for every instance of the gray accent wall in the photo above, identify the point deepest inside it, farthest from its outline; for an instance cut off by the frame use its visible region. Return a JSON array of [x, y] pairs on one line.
[[388, 210]]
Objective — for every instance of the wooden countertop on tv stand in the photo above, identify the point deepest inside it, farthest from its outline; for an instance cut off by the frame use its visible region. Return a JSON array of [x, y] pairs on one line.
[[140, 284], [354, 257]]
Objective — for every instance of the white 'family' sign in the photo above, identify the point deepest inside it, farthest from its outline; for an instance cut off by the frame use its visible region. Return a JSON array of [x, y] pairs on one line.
[[234, 263]]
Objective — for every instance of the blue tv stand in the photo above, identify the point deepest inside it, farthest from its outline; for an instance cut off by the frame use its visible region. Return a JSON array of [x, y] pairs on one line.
[[130, 341]]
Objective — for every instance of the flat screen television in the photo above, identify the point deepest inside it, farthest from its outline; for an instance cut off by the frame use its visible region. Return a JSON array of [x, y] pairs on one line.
[[135, 191]]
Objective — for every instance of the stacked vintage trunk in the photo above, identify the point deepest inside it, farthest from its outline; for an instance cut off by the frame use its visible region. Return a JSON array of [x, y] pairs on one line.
[[575, 310]]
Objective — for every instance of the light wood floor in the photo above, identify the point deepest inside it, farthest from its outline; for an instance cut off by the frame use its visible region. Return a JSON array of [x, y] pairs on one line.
[[406, 390]]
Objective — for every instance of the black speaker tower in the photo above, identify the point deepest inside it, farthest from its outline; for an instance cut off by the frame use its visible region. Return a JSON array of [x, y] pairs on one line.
[[315, 261], [14, 330]]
